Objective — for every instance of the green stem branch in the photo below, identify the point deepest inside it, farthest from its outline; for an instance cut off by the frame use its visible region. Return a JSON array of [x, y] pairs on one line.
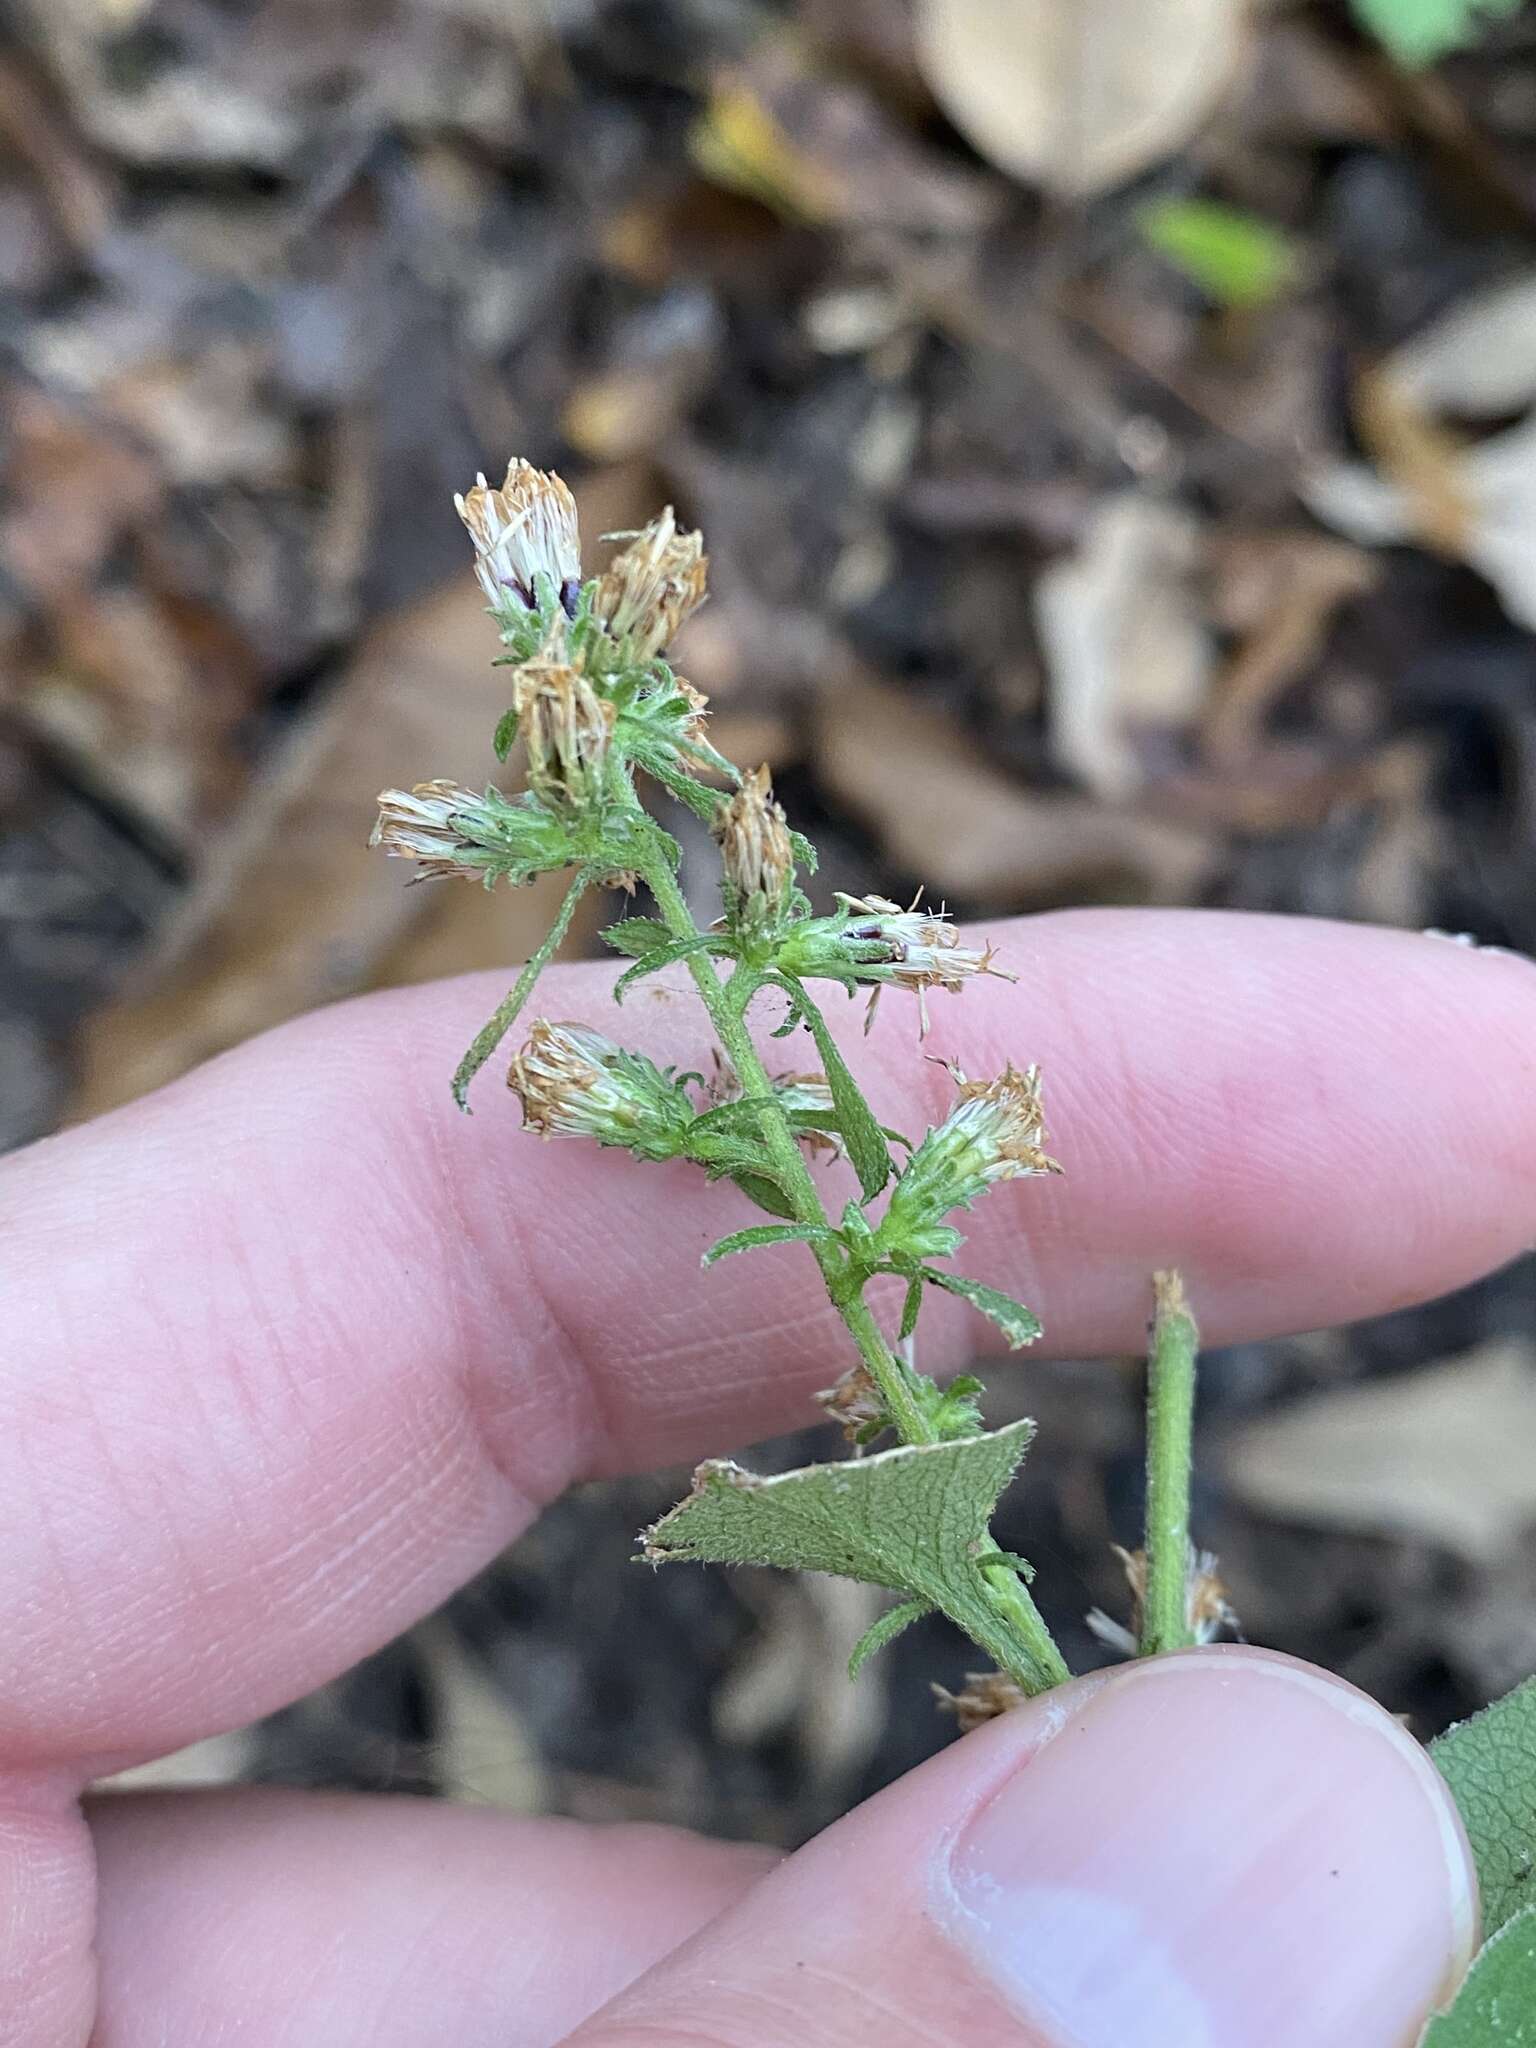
[[1023, 1646], [1170, 1431]]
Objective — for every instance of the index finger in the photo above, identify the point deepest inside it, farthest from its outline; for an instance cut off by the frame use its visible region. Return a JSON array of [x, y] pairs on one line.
[[294, 1348]]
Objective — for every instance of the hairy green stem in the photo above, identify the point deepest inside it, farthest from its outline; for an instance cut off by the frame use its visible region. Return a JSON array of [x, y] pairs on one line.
[[488, 1038], [1023, 1646], [1171, 1359]]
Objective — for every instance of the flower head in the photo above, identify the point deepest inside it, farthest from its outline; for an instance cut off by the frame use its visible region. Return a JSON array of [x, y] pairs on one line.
[[452, 831], [522, 531], [995, 1132], [574, 1083], [753, 836], [565, 725], [855, 1401], [650, 587], [986, 1695], [918, 950], [427, 824], [1207, 1609], [1004, 1120], [874, 941]]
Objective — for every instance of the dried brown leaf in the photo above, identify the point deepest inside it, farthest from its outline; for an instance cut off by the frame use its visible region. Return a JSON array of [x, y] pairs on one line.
[[943, 811], [292, 908], [1078, 95]]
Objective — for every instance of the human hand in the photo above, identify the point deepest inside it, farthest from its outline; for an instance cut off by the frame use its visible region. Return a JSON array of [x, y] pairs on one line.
[[293, 1350]]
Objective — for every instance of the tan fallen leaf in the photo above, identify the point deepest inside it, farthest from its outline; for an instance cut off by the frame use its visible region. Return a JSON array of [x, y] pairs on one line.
[[1446, 1455], [1123, 633], [1078, 95], [1432, 482], [942, 810], [292, 908]]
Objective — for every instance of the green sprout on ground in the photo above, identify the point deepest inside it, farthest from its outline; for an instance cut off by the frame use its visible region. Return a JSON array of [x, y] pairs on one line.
[[596, 704]]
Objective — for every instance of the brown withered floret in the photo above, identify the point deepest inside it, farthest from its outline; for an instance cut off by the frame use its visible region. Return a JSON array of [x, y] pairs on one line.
[[650, 587], [753, 836], [524, 529]]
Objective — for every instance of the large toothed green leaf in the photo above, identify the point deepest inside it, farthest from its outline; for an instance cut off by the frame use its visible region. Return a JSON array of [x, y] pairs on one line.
[[1496, 2005], [1489, 1763], [911, 1519]]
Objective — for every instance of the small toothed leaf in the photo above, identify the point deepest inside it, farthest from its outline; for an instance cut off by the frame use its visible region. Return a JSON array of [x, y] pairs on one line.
[[957, 1410], [636, 936], [912, 1519], [661, 762], [804, 852], [888, 1627], [1017, 1323], [506, 733], [765, 1233], [1496, 2005], [861, 1134], [664, 956], [1489, 1763]]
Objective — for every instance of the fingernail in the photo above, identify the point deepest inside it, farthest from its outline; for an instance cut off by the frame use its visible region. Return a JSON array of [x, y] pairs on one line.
[[1218, 1848]]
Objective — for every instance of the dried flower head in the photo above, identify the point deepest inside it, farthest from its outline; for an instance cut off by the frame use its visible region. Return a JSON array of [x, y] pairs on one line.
[[808, 1095], [525, 530], [914, 949], [753, 836], [426, 824], [986, 1695], [856, 1403], [574, 1083], [564, 724], [1005, 1121], [1207, 1608], [995, 1132], [650, 587]]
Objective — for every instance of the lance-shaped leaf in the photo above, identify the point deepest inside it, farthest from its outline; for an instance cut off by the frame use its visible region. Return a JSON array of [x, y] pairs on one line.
[[885, 1630], [665, 956], [765, 1234], [912, 1519], [1017, 1323], [1489, 1763], [1496, 2005], [861, 1134]]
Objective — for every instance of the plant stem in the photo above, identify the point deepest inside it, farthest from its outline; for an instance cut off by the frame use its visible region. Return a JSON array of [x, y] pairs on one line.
[[1170, 1429], [490, 1036], [1024, 1646], [726, 1010]]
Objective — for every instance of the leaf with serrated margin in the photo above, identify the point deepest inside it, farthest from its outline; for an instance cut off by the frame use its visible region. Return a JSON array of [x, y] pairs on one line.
[[1496, 2005], [636, 935], [1017, 1323], [1489, 1763], [668, 955], [911, 1519], [885, 1630]]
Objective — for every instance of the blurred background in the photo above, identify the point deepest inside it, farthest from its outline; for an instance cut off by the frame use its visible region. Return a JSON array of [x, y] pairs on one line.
[[1110, 424]]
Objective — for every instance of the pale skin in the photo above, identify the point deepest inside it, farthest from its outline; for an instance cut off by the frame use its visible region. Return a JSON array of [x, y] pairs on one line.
[[293, 1349]]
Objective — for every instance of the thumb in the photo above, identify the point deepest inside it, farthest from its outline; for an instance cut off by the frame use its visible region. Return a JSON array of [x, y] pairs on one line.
[[1225, 1849]]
